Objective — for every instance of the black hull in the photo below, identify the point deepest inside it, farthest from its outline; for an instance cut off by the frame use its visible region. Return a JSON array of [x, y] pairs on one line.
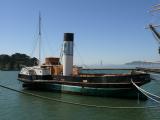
[[119, 81], [111, 86]]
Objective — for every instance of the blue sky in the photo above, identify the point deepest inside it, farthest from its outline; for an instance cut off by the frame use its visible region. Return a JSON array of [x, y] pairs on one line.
[[111, 31]]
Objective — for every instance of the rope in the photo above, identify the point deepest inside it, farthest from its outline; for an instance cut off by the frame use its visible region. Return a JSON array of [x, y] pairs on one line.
[[79, 104], [150, 97], [146, 93]]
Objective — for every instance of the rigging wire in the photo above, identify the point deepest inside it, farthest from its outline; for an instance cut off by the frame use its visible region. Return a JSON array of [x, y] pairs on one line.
[[48, 50], [81, 59], [36, 45], [34, 48], [61, 54]]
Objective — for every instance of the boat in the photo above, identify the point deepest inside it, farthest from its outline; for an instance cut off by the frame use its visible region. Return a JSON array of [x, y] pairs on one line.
[[68, 78]]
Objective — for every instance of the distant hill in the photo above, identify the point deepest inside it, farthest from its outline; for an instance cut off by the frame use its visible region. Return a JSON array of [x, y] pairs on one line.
[[139, 63], [15, 61]]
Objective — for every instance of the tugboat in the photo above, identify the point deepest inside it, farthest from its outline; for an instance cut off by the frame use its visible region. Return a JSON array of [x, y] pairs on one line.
[[52, 75]]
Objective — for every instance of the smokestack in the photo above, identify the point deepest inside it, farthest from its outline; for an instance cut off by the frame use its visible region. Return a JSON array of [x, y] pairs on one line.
[[68, 54]]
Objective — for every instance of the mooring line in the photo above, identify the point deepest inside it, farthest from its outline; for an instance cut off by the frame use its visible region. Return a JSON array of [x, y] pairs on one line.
[[79, 104], [146, 93]]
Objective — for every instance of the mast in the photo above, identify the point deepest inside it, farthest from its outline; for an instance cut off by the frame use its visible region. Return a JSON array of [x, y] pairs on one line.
[[40, 37]]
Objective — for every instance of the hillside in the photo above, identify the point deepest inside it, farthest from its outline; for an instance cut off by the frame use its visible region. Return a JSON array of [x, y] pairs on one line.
[[139, 63], [15, 61]]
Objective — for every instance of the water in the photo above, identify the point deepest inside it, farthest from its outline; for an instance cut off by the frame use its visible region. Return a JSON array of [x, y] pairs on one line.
[[14, 105]]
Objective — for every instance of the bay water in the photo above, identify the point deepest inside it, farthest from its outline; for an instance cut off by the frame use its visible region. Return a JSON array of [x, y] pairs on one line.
[[18, 106]]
